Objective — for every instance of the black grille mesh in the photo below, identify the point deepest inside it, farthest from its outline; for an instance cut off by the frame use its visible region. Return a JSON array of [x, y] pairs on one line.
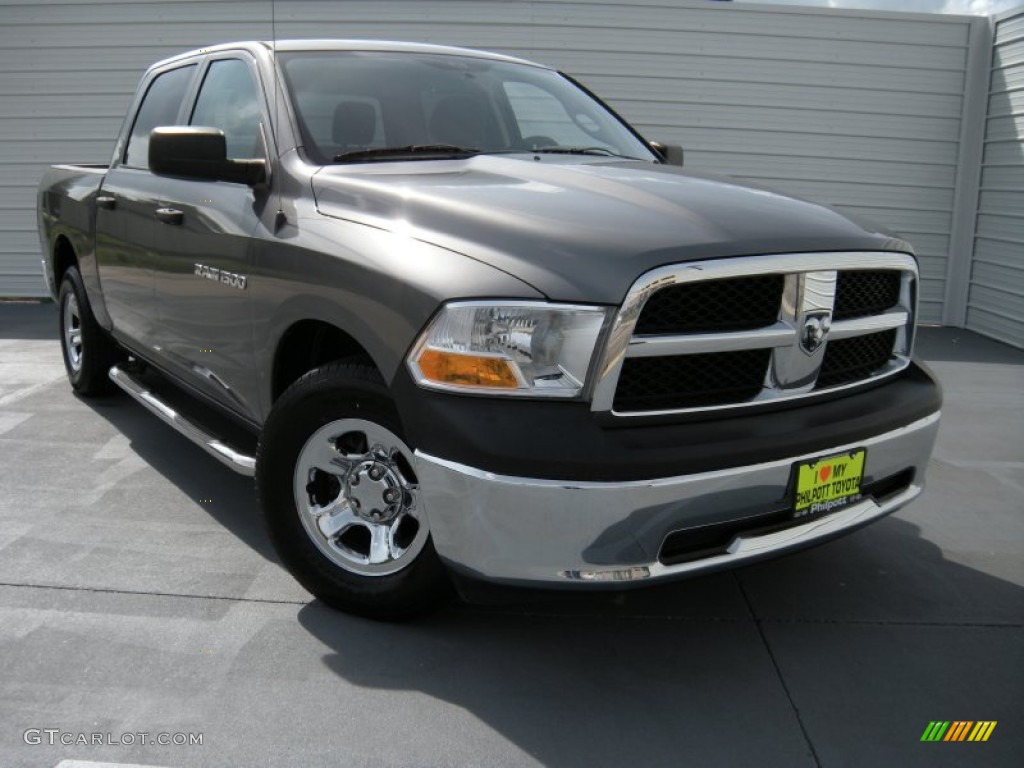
[[856, 358], [733, 304], [863, 293], [690, 381]]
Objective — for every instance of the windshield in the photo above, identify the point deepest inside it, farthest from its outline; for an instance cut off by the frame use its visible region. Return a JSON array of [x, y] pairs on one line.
[[356, 106]]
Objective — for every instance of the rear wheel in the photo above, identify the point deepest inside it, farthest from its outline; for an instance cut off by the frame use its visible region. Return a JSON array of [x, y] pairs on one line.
[[341, 497], [88, 350]]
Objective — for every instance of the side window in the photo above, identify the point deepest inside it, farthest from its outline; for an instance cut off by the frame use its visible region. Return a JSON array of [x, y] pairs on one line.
[[229, 100], [539, 114], [159, 107]]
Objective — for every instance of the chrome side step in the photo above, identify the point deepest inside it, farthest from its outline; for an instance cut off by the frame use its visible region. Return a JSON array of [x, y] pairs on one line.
[[242, 464]]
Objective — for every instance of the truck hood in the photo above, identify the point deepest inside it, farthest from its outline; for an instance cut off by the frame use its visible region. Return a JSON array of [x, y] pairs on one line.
[[580, 229]]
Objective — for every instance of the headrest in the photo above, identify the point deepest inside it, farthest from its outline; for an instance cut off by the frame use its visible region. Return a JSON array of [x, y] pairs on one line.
[[355, 123], [460, 120]]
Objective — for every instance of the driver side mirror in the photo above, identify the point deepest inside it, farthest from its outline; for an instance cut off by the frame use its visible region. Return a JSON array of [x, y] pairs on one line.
[[670, 153], [200, 153]]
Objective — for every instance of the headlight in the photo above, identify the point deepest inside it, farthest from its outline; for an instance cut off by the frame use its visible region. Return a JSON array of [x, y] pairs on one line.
[[510, 348]]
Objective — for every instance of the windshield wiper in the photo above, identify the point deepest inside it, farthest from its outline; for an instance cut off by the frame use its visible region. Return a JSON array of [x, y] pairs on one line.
[[580, 151], [385, 153]]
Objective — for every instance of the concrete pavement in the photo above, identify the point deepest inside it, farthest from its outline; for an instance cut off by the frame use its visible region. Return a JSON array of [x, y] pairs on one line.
[[139, 594]]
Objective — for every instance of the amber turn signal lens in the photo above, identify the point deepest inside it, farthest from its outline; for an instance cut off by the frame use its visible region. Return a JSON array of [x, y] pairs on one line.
[[466, 370]]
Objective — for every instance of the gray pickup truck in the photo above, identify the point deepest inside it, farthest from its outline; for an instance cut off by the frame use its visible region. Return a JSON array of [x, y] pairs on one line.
[[459, 319]]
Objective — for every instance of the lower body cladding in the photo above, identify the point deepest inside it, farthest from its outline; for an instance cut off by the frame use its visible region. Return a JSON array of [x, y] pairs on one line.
[[570, 533]]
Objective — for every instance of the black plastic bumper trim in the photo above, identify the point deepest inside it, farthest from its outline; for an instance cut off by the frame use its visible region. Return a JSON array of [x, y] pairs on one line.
[[567, 441]]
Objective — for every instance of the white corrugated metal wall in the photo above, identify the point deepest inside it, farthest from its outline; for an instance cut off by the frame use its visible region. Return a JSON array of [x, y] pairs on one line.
[[858, 109], [995, 304]]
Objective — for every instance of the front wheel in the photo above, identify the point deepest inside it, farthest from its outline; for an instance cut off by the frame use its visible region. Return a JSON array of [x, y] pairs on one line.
[[341, 498]]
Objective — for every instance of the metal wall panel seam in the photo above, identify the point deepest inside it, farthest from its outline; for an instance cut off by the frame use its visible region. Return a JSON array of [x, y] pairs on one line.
[[968, 177]]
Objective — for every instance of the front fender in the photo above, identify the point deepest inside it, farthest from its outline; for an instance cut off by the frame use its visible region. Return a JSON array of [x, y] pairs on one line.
[[379, 287]]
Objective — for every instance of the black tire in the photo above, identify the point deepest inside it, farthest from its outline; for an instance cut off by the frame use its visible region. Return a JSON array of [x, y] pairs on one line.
[[337, 393], [89, 354]]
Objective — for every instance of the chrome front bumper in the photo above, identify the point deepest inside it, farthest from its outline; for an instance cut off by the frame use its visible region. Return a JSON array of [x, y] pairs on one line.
[[524, 530]]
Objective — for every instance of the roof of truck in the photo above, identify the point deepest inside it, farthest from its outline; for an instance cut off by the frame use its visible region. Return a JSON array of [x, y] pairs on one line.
[[350, 45]]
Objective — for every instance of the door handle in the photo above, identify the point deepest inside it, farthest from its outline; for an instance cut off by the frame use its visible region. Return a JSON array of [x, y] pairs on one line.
[[105, 201], [170, 215]]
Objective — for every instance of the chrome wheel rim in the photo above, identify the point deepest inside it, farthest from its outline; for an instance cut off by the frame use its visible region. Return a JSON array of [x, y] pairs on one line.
[[358, 498], [73, 332]]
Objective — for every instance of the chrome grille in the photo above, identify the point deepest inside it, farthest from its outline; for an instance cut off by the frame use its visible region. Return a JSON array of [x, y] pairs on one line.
[[740, 332]]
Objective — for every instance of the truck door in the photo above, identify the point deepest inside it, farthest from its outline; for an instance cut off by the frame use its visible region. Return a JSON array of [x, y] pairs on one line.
[[202, 271], [128, 232]]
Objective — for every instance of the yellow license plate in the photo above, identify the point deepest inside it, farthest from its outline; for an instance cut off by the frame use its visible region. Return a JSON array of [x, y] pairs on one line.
[[825, 485]]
